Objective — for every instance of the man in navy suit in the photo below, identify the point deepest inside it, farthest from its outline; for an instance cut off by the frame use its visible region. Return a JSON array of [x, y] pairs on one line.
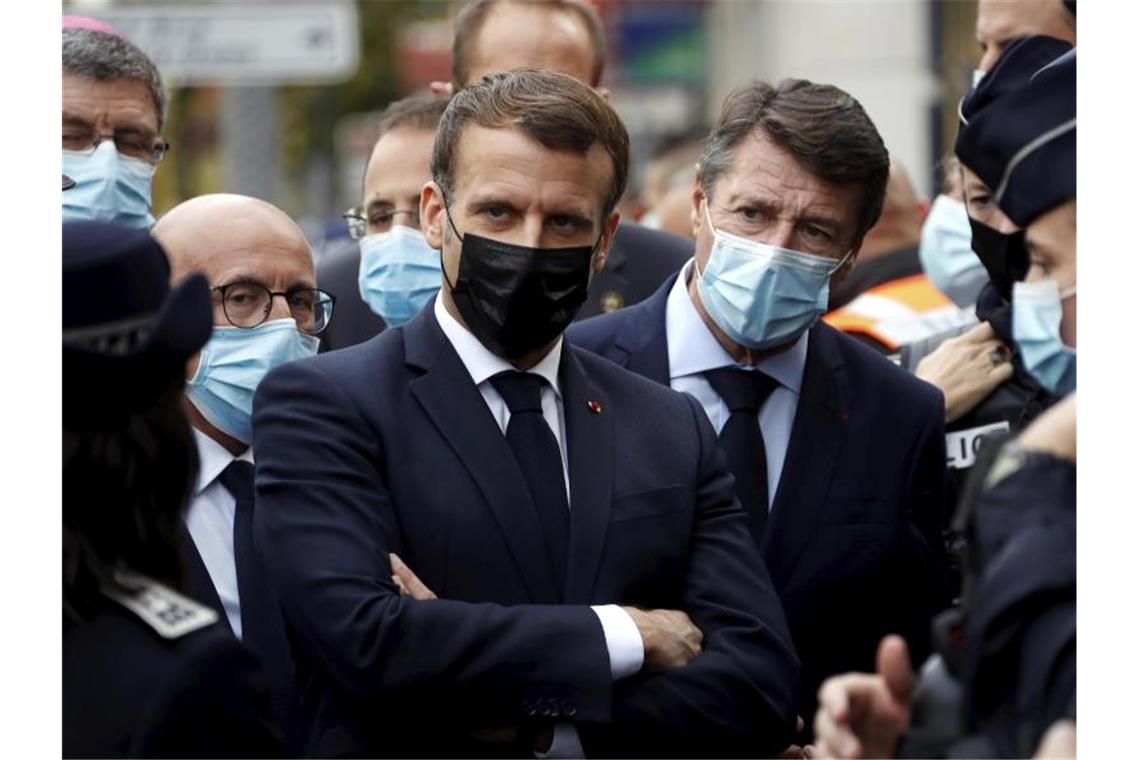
[[598, 591], [837, 454]]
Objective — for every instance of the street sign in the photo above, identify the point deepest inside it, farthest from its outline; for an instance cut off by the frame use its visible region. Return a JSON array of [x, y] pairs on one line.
[[249, 43]]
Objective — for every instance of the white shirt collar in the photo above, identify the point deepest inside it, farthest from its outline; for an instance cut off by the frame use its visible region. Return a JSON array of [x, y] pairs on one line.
[[480, 362], [213, 457], [694, 349]]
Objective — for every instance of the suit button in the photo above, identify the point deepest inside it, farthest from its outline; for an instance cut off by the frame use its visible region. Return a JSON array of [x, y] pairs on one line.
[[547, 708], [569, 708], [530, 707]]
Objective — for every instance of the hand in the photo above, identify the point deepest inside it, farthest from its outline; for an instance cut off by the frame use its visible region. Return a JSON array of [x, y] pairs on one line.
[[407, 581], [795, 751], [1060, 741], [967, 369], [862, 715], [669, 637], [1055, 431]]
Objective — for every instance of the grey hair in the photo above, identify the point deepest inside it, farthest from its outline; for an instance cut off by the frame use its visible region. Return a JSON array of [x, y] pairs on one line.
[[104, 57]]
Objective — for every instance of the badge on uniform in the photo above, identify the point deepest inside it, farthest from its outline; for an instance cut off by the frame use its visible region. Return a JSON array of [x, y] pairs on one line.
[[962, 445], [610, 301], [169, 613]]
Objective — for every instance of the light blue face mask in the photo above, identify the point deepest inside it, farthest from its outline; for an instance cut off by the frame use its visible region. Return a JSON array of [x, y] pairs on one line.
[[109, 187], [399, 273], [762, 295], [232, 365], [1037, 333], [947, 255]]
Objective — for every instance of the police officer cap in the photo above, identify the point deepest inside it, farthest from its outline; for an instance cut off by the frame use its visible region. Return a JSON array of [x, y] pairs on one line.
[[126, 334], [1022, 142], [1020, 60]]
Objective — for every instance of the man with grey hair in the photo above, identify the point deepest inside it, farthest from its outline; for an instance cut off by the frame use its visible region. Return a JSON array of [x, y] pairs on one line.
[[837, 454], [113, 111]]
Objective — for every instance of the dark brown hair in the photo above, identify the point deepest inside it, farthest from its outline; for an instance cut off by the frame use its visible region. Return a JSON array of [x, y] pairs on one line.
[[419, 111], [469, 21], [557, 110], [823, 127]]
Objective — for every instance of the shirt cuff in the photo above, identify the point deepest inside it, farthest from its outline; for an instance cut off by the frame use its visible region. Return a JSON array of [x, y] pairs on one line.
[[565, 743], [627, 651]]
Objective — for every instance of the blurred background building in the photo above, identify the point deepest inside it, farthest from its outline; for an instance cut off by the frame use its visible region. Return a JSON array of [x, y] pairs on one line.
[[279, 99]]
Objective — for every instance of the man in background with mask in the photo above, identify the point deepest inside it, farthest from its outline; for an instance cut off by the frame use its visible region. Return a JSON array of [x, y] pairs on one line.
[[837, 453], [114, 107], [888, 300], [566, 36], [389, 272], [576, 522], [267, 311]]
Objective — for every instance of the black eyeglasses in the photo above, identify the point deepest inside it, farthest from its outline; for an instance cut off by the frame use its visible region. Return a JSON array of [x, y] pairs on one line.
[[247, 304]]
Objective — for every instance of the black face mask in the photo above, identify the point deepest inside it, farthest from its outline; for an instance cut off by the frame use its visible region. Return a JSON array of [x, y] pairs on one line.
[[516, 299], [1003, 255]]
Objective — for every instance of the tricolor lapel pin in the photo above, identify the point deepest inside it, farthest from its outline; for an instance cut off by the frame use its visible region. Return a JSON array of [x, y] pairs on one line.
[[594, 406]]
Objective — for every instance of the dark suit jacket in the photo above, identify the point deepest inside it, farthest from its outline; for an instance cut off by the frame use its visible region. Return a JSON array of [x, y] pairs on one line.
[[129, 692], [639, 260], [852, 543], [389, 446]]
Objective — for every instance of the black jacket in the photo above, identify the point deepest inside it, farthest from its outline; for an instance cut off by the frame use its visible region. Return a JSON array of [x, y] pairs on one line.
[[133, 689]]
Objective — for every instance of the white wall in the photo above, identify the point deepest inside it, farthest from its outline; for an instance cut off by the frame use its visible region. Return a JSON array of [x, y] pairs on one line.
[[877, 50]]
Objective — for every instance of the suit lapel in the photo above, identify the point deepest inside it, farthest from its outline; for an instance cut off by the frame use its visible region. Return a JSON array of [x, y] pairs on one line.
[[455, 406], [818, 431], [643, 337], [590, 450]]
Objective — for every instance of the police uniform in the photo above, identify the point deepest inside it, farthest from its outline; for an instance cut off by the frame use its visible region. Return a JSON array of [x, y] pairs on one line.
[[1015, 652], [151, 673], [1008, 409], [990, 136]]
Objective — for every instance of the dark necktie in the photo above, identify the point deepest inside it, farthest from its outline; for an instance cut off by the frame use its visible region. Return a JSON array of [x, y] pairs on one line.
[[262, 628], [540, 459], [238, 480], [744, 392]]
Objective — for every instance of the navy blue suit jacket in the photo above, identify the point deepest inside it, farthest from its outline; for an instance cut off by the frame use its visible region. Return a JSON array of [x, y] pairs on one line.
[[853, 540], [388, 446]]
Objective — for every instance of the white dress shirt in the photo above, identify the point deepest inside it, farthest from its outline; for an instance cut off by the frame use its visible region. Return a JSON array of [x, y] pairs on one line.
[[693, 349], [210, 520], [623, 642]]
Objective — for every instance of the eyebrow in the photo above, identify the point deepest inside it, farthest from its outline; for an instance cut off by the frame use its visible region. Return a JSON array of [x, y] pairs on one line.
[[78, 121], [774, 209]]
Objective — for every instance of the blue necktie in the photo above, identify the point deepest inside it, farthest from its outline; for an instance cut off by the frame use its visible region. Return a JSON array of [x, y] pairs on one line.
[[540, 459], [744, 392]]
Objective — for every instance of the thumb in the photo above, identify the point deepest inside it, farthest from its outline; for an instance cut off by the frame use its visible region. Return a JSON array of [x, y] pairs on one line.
[[893, 664]]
